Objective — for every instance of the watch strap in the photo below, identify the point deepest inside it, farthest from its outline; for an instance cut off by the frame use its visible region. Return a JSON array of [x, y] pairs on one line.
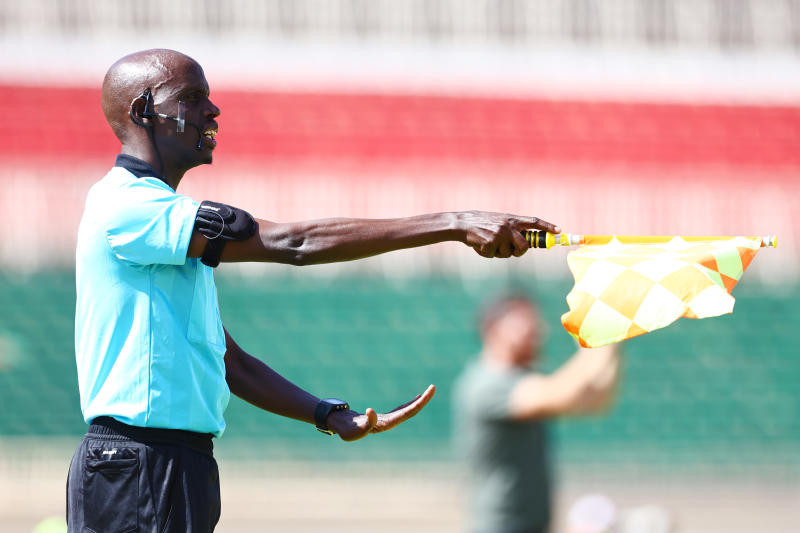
[[324, 408]]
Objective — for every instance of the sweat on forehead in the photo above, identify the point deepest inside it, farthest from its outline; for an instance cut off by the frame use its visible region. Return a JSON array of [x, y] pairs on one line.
[[132, 74]]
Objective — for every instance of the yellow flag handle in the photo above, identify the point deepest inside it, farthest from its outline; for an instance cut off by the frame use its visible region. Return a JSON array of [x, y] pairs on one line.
[[542, 239]]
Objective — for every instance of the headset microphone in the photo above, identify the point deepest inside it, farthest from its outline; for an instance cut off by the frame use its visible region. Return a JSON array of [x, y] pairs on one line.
[[180, 119]]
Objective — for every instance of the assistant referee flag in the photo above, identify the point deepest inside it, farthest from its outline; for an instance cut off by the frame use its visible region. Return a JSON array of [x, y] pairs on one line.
[[625, 290]]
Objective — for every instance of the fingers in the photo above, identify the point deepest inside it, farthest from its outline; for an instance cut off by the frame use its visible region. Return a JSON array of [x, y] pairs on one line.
[[425, 397], [487, 250], [403, 412], [524, 223], [506, 244], [502, 235], [372, 418], [350, 425], [418, 396], [504, 249], [520, 243]]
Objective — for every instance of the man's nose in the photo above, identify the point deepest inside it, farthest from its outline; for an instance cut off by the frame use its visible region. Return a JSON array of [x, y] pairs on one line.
[[212, 111]]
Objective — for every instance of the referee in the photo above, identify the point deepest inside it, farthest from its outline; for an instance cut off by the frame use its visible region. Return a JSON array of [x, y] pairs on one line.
[[155, 365]]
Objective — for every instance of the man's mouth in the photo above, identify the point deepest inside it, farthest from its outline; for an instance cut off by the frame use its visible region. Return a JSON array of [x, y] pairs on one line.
[[211, 134]]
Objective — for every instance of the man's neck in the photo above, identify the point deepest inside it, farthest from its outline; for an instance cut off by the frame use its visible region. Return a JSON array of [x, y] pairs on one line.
[[171, 177]]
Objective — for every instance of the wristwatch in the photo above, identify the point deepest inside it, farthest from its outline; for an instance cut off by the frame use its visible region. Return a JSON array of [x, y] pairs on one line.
[[324, 408]]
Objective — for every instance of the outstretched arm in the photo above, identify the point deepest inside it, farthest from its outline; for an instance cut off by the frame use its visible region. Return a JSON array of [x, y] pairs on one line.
[[255, 382], [585, 384], [345, 239]]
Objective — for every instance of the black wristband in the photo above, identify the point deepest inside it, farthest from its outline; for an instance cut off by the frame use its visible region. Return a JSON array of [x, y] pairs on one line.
[[324, 408]]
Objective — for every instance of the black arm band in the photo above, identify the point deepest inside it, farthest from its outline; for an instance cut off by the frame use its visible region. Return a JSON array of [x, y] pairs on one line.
[[220, 223]]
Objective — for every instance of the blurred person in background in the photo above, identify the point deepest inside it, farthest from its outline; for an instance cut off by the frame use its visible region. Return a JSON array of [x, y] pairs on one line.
[[500, 406], [155, 365]]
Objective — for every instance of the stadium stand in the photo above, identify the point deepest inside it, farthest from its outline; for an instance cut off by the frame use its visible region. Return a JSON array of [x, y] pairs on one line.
[[655, 167], [717, 393], [729, 25], [329, 127]]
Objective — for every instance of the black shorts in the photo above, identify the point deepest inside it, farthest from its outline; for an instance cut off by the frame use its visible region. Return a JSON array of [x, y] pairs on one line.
[[124, 479]]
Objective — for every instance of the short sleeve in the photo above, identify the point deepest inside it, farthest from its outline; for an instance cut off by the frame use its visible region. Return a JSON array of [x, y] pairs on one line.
[[486, 393], [151, 225]]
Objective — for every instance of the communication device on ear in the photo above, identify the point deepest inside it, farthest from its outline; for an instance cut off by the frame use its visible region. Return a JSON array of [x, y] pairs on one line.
[[180, 120]]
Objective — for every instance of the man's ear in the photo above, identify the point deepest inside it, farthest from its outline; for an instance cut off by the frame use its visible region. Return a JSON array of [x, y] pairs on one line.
[[138, 110]]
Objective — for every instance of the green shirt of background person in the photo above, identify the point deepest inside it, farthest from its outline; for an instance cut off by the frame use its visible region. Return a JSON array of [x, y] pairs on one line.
[[501, 406]]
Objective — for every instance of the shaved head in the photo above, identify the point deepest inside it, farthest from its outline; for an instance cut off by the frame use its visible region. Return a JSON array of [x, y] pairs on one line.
[[158, 104], [156, 69]]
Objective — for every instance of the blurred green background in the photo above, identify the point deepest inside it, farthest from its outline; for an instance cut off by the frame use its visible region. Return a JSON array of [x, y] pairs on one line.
[[716, 394]]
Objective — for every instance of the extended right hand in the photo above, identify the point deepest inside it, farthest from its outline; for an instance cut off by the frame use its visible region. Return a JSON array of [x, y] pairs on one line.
[[499, 234]]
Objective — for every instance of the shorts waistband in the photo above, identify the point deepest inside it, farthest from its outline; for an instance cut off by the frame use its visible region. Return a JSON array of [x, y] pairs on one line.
[[105, 427]]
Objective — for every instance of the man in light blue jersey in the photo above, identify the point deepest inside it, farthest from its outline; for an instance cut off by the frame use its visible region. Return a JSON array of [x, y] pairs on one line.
[[155, 365]]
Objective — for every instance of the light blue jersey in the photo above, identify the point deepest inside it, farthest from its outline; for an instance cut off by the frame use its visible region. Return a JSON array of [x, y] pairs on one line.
[[149, 341]]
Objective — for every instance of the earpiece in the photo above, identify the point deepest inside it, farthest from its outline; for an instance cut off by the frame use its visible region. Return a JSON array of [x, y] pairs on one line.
[[139, 120], [147, 96]]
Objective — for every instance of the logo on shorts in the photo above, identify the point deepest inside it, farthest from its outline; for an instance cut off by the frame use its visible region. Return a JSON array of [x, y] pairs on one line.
[[108, 452]]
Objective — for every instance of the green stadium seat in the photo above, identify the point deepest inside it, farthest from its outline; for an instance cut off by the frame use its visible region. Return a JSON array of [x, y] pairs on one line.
[[715, 391]]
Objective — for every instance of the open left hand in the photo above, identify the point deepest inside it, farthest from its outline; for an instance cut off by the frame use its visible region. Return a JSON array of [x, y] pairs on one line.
[[351, 425]]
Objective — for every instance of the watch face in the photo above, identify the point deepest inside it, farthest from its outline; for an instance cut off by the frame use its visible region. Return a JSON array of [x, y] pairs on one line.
[[336, 403]]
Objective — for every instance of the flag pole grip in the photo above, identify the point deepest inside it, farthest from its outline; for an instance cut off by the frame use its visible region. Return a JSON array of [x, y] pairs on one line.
[[542, 239], [536, 239]]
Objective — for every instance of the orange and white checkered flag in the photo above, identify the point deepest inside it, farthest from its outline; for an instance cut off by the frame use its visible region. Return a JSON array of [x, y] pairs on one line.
[[625, 290]]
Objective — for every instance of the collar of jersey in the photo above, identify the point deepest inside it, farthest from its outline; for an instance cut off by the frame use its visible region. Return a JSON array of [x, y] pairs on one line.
[[137, 167]]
